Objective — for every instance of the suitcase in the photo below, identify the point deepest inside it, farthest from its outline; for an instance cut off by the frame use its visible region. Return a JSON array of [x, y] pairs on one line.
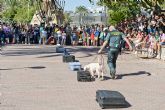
[[84, 76], [110, 99], [60, 49], [75, 66], [68, 58]]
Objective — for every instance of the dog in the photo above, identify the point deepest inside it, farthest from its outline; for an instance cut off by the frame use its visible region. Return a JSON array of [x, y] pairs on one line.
[[96, 68]]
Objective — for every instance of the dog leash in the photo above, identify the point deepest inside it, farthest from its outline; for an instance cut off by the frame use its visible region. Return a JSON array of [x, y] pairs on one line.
[[103, 63], [93, 60]]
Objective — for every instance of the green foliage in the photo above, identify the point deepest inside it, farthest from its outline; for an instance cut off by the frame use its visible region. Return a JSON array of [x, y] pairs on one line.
[[19, 10], [120, 9], [23, 15], [67, 18], [81, 9], [118, 15], [154, 5], [163, 5]]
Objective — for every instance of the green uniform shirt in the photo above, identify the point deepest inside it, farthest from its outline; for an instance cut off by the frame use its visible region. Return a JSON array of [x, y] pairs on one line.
[[116, 33]]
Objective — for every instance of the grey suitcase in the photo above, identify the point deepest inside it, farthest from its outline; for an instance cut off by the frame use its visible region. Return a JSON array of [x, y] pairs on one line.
[[110, 99], [75, 66]]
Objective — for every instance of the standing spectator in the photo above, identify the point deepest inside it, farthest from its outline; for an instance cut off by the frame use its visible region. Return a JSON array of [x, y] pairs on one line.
[[63, 38], [16, 33], [97, 33], [43, 36], [49, 30], [36, 34], [84, 36], [2, 34], [74, 36], [29, 34], [103, 36], [59, 36], [23, 35], [92, 37], [68, 34]]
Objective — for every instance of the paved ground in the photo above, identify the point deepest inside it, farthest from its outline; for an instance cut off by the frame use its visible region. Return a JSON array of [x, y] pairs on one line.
[[54, 87]]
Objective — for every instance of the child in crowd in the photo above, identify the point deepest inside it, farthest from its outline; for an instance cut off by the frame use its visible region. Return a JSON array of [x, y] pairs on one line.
[[63, 38]]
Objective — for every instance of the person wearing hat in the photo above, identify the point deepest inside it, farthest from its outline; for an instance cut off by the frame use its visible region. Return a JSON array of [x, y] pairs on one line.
[[114, 38]]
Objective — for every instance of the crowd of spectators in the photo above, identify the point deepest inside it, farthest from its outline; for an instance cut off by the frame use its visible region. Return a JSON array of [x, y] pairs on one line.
[[51, 34], [143, 31], [140, 30]]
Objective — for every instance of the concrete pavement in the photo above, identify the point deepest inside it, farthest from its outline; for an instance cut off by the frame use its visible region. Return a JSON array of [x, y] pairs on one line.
[[34, 78]]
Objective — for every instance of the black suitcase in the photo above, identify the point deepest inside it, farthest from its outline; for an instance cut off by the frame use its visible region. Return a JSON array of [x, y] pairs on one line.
[[84, 76], [68, 58], [110, 99]]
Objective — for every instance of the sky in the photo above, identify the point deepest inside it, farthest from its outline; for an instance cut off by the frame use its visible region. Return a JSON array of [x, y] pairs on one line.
[[70, 5]]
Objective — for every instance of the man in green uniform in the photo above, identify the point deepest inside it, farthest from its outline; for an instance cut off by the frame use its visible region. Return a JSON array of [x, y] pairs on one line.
[[114, 38]]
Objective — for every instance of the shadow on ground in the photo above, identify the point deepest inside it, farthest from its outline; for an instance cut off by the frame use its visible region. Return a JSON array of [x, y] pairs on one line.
[[33, 67], [49, 56], [27, 52], [120, 76], [87, 51], [83, 49], [49, 50], [127, 105]]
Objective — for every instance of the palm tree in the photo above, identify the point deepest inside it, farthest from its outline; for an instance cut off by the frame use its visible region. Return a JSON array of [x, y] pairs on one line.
[[82, 11]]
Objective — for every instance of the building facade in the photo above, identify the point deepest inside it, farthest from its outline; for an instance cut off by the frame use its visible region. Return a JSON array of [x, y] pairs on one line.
[[88, 19]]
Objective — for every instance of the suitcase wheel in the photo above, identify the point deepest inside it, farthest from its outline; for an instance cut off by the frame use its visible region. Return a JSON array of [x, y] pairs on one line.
[[102, 107]]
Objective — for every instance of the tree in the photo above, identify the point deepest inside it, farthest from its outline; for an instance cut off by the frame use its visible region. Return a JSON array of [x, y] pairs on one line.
[[82, 11], [120, 9], [24, 16], [149, 4], [67, 18], [19, 10], [154, 5]]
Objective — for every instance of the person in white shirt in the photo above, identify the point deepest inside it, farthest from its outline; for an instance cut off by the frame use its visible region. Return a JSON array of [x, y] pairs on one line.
[[59, 37]]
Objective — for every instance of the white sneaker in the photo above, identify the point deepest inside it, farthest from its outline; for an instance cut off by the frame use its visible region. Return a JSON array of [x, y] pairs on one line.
[[158, 56]]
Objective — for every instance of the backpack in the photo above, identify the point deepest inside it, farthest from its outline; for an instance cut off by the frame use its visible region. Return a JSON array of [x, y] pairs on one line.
[[115, 40]]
